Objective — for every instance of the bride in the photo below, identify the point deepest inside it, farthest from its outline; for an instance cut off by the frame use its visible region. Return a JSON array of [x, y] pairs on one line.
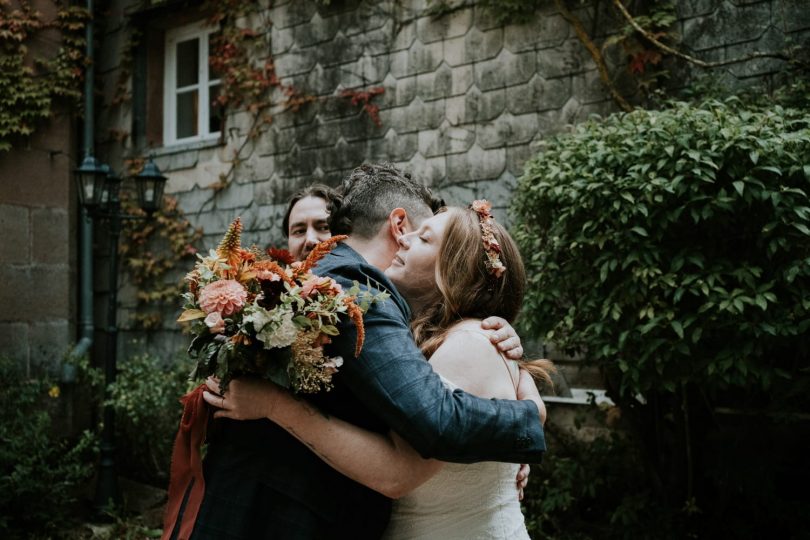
[[459, 267]]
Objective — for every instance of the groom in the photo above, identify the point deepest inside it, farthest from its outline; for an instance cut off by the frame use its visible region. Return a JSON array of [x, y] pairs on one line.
[[261, 482]]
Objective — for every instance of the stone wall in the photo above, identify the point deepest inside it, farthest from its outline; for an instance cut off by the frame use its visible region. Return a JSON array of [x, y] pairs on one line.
[[465, 102], [38, 249]]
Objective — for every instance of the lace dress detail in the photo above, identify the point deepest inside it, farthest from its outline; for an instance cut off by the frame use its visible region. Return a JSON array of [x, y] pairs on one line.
[[461, 502]]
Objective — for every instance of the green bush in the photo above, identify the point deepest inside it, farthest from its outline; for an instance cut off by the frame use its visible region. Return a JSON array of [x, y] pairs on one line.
[[593, 489], [41, 475], [672, 249], [146, 397]]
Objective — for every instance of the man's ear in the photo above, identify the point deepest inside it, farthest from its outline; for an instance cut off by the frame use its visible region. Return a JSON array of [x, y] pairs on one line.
[[398, 223]]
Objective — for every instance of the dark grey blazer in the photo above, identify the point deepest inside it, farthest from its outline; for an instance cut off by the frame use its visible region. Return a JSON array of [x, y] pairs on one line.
[[262, 483]]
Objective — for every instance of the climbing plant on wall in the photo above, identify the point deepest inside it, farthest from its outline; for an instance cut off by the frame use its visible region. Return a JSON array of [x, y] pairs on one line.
[[32, 82]]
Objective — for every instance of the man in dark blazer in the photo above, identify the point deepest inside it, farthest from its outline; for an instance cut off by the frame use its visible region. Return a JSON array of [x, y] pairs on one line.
[[261, 483]]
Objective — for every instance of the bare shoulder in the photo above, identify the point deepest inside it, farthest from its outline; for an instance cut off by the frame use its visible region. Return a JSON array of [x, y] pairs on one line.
[[468, 359]]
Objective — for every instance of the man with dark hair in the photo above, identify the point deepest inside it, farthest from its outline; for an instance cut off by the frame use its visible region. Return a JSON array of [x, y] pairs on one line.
[[369, 193], [261, 482], [305, 221]]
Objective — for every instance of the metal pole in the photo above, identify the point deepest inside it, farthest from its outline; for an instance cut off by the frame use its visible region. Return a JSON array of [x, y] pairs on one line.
[[107, 492]]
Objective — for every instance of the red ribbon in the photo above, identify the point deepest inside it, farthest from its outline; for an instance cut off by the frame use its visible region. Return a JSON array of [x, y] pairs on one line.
[[186, 471]]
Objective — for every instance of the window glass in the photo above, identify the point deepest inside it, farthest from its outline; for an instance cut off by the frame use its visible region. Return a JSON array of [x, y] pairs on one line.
[[214, 110], [187, 114], [188, 62]]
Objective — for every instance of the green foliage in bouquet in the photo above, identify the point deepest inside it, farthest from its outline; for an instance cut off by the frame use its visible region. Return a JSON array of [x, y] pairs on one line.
[[41, 474]]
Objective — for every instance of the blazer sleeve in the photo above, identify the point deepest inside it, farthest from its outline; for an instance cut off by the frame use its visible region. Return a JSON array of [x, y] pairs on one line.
[[392, 379]]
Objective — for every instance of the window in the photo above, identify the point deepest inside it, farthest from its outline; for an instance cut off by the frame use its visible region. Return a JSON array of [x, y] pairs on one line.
[[190, 89]]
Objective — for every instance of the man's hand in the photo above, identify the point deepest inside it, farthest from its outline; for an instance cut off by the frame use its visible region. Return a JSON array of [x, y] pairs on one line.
[[246, 399], [522, 479], [528, 390], [504, 337]]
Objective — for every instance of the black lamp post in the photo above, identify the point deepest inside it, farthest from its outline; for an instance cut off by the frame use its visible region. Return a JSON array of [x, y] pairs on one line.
[[99, 193]]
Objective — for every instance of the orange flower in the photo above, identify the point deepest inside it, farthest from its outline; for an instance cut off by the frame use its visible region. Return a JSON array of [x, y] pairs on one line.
[[356, 315], [318, 253]]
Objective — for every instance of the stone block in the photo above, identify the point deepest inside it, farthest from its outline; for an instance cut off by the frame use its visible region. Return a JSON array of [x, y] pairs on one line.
[[418, 59], [358, 127], [16, 244], [52, 235], [517, 156], [480, 45], [317, 30], [236, 195], [538, 95], [405, 36], [485, 19], [343, 156], [281, 40], [365, 18], [398, 92], [484, 106], [506, 69], [450, 25], [459, 194], [477, 164], [499, 192], [772, 40], [462, 79], [793, 16], [729, 24], [49, 342], [455, 51], [415, 116], [445, 140], [430, 172], [376, 42], [298, 161], [435, 85], [455, 110], [686, 9], [50, 295], [569, 58], [588, 87], [275, 141], [33, 177], [292, 14], [393, 147], [256, 169], [543, 31], [507, 130], [14, 342], [298, 60]]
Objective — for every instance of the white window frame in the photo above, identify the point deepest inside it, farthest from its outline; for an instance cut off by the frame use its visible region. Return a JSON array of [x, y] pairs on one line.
[[202, 32]]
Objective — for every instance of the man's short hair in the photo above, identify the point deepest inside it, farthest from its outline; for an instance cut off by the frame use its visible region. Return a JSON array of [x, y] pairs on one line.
[[370, 192], [318, 191]]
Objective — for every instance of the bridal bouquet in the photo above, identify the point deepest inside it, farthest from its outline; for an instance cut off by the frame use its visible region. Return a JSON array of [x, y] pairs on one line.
[[260, 314]]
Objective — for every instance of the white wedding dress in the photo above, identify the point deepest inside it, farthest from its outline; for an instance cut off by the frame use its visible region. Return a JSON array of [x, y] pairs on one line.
[[461, 502]]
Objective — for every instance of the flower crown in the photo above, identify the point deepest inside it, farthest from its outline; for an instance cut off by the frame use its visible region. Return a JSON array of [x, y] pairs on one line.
[[492, 248]]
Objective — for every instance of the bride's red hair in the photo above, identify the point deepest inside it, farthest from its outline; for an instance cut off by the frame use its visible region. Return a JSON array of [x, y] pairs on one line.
[[467, 289]]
